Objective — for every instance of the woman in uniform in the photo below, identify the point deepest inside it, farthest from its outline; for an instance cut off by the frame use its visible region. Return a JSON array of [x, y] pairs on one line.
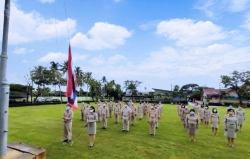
[[240, 113], [91, 121], [206, 116], [192, 124], [181, 113], [231, 127], [185, 113], [201, 112], [215, 121]]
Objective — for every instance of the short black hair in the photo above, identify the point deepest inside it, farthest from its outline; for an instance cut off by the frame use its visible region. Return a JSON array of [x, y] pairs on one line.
[[93, 108], [191, 110]]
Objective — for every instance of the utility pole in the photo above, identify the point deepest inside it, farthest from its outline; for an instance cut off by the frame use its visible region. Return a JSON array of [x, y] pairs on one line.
[[4, 85]]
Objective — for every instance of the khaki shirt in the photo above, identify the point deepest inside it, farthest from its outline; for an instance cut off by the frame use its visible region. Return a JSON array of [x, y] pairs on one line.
[[104, 110], [68, 116], [117, 109], [152, 114], [126, 112]]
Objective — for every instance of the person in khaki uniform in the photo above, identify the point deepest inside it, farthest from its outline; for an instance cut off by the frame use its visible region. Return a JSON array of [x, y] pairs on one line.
[[86, 111], [110, 109], [125, 115], [117, 113], [104, 116], [140, 111], [83, 111], [158, 111], [152, 118], [133, 114], [99, 112], [67, 121]]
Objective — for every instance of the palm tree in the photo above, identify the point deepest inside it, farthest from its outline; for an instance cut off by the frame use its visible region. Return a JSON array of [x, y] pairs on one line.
[[110, 87], [79, 77], [104, 82], [64, 67], [87, 79]]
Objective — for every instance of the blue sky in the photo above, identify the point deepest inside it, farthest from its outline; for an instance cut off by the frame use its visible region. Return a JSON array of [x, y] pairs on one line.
[[159, 42]]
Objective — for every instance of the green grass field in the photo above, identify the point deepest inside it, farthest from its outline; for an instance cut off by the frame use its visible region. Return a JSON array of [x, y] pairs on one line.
[[41, 126]]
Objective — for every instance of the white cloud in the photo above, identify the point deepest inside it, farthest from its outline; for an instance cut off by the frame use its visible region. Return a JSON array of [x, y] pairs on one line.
[[116, 58], [238, 5], [206, 7], [98, 60], [31, 26], [213, 8], [101, 36], [168, 62], [188, 32], [47, 1], [246, 23], [148, 25], [22, 51], [60, 57]]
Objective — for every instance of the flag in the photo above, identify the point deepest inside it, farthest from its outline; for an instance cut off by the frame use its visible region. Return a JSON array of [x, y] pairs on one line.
[[71, 84]]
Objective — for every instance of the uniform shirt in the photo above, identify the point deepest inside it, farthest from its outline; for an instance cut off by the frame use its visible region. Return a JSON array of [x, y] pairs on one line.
[[240, 113], [110, 106], [133, 109], [83, 108], [99, 109], [117, 109], [140, 108], [192, 119], [152, 114], [68, 116], [104, 111], [215, 117], [86, 110], [126, 111]]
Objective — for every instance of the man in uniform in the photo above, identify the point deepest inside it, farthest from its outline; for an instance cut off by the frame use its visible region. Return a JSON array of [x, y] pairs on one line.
[[67, 121], [86, 111], [133, 114], [104, 116], [110, 109], [158, 111], [140, 111], [125, 115], [117, 113], [152, 118], [99, 108], [83, 111]]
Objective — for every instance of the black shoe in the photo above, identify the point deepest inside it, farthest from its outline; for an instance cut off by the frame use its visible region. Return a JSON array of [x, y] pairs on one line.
[[127, 131], [156, 127], [103, 128], [123, 130], [69, 141], [66, 140]]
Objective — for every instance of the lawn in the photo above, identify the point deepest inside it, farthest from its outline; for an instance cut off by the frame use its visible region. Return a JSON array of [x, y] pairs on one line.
[[41, 126]]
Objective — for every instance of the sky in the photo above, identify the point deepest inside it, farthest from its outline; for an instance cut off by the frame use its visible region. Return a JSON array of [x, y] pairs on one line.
[[160, 43]]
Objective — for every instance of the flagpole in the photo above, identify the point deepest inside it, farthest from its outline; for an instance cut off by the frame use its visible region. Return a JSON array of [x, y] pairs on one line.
[[4, 88]]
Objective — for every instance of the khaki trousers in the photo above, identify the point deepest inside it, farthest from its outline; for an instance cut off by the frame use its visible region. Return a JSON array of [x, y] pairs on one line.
[[117, 118], [68, 130], [125, 123], [152, 125], [104, 120]]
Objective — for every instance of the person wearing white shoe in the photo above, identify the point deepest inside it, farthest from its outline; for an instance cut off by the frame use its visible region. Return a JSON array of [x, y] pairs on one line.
[[231, 127], [192, 121], [215, 120], [240, 113]]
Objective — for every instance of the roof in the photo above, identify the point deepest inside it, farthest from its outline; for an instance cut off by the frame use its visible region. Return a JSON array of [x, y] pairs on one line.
[[160, 90], [213, 91]]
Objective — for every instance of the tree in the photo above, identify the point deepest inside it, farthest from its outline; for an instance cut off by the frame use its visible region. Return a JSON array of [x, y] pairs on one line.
[[87, 80], [64, 67], [238, 82], [151, 95], [188, 89], [176, 88], [132, 86]]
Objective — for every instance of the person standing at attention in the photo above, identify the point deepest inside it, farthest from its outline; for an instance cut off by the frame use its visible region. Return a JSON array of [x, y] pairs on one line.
[[117, 113], [192, 121], [185, 113], [231, 127], [240, 113], [110, 109], [125, 115], [133, 114], [83, 111], [215, 120], [201, 113], [67, 121], [206, 116], [104, 116], [140, 111], [152, 118], [91, 122]]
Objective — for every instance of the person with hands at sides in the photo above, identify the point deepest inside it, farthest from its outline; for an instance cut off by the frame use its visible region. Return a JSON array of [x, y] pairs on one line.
[[67, 122], [125, 115], [192, 122], [215, 120], [152, 119], [231, 126]]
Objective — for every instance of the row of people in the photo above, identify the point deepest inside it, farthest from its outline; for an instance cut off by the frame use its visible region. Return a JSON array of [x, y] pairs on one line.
[[233, 121], [127, 113]]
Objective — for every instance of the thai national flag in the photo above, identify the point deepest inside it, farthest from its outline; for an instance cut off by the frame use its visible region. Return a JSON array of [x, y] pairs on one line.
[[71, 84]]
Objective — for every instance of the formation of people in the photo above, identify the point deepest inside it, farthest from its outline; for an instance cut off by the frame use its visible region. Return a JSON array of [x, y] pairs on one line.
[[191, 119]]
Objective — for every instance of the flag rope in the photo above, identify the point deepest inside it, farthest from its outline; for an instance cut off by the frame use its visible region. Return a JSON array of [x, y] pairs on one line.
[[65, 9]]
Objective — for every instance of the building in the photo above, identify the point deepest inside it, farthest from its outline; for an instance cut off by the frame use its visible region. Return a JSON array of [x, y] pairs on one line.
[[220, 96]]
